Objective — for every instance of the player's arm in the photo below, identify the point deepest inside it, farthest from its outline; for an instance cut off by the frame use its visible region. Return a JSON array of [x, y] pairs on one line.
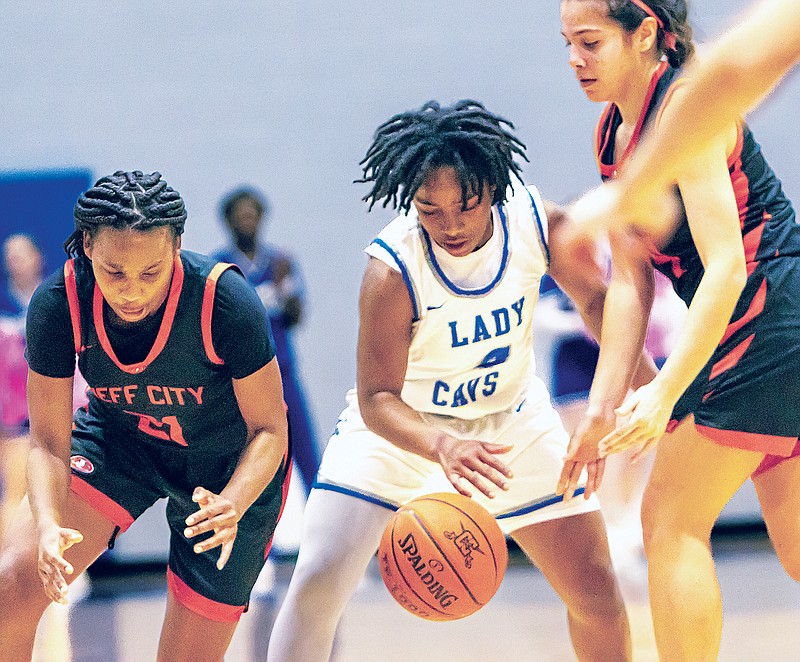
[[736, 72], [574, 265], [625, 314], [241, 334], [51, 358], [386, 314], [713, 217], [48, 476]]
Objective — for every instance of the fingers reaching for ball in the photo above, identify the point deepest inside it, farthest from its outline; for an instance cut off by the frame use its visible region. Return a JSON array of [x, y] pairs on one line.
[[472, 465]]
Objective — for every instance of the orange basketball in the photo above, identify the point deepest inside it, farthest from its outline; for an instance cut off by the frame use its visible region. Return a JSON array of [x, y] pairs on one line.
[[442, 556]]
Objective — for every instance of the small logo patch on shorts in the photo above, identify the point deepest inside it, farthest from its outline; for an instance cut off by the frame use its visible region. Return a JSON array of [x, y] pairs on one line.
[[82, 464]]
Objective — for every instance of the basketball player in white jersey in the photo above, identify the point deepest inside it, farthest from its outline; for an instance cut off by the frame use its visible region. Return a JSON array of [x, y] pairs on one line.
[[446, 394]]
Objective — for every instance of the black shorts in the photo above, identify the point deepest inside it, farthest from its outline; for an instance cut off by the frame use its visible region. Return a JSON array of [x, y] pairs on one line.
[[748, 395], [121, 477]]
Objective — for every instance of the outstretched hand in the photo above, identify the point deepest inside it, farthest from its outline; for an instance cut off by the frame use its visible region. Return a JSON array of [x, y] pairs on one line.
[[583, 453], [217, 514], [469, 463], [52, 565], [644, 418]]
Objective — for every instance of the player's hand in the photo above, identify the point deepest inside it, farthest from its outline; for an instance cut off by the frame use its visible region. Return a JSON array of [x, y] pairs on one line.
[[52, 565], [643, 419], [469, 463], [583, 453], [217, 514]]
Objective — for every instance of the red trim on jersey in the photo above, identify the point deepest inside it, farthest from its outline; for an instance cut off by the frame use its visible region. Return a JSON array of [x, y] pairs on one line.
[[163, 332], [754, 310], [102, 503], [72, 299], [731, 358], [199, 604], [600, 145], [771, 461], [612, 169], [208, 309], [750, 441]]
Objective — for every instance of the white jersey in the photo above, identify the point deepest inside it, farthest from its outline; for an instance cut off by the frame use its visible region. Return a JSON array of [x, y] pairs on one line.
[[472, 337]]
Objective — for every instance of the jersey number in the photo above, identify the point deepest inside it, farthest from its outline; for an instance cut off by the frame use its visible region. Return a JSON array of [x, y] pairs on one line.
[[167, 428]]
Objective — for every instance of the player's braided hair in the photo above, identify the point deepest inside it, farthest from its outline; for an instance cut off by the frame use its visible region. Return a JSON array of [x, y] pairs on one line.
[[465, 136], [126, 200]]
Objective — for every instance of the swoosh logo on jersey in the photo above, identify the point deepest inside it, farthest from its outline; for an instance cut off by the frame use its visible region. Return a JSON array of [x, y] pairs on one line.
[[436, 307]]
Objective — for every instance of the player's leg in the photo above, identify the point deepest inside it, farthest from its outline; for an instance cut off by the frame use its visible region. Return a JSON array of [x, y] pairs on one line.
[[188, 636], [340, 535], [21, 589], [205, 603], [572, 553], [692, 480], [778, 491]]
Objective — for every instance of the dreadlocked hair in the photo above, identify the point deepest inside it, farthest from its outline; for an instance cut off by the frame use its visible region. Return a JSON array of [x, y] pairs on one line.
[[465, 136], [126, 200]]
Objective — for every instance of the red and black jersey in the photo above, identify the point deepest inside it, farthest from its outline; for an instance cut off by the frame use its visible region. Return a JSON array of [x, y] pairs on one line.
[[766, 216], [180, 394]]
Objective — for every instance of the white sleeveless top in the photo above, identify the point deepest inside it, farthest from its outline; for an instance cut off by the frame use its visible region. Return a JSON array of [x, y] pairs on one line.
[[471, 350]]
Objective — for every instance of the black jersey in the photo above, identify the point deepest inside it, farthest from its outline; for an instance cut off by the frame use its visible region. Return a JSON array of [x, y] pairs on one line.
[[180, 394], [733, 398], [766, 216]]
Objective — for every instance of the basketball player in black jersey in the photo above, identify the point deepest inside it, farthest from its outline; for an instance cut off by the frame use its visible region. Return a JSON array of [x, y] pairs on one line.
[[185, 402]]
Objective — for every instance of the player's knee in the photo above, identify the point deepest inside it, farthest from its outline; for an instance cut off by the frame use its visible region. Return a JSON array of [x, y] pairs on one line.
[[20, 588]]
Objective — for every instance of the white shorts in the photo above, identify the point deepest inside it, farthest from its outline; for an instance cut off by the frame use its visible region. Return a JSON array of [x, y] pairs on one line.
[[360, 463]]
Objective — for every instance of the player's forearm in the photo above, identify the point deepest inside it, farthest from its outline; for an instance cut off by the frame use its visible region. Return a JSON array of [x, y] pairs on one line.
[[48, 477], [257, 466], [621, 348], [387, 415]]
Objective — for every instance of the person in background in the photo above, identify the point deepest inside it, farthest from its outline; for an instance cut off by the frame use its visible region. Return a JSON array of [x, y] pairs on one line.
[[276, 278]]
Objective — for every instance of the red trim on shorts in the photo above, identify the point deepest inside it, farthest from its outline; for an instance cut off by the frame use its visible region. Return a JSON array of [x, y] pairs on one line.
[[772, 461], [199, 604], [208, 309], [163, 332], [750, 441], [754, 310], [102, 503], [72, 299], [731, 358]]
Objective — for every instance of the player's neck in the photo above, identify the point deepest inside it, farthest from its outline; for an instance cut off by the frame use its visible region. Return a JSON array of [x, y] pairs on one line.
[[632, 99]]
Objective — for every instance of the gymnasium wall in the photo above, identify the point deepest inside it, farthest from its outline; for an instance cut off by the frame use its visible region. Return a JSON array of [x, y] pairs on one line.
[[285, 95]]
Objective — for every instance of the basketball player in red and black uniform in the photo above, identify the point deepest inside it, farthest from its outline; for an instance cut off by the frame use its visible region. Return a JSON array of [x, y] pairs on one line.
[[185, 402], [729, 394]]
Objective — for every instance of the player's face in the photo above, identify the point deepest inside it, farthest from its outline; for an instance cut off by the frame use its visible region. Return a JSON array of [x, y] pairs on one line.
[[245, 218], [458, 229], [132, 268], [600, 51]]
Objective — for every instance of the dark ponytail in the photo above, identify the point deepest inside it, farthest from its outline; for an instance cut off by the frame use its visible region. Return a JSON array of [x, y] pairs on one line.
[[126, 200], [674, 39]]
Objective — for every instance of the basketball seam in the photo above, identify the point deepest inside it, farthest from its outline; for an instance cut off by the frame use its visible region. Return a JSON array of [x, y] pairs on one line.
[[444, 556], [477, 525], [405, 581]]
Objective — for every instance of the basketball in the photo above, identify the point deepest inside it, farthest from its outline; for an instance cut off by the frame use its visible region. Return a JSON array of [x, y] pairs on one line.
[[442, 556]]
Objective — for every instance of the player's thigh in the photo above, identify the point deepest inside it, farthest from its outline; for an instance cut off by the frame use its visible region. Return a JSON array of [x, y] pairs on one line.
[[20, 552], [778, 492], [341, 533], [691, 481], [572, 553]]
